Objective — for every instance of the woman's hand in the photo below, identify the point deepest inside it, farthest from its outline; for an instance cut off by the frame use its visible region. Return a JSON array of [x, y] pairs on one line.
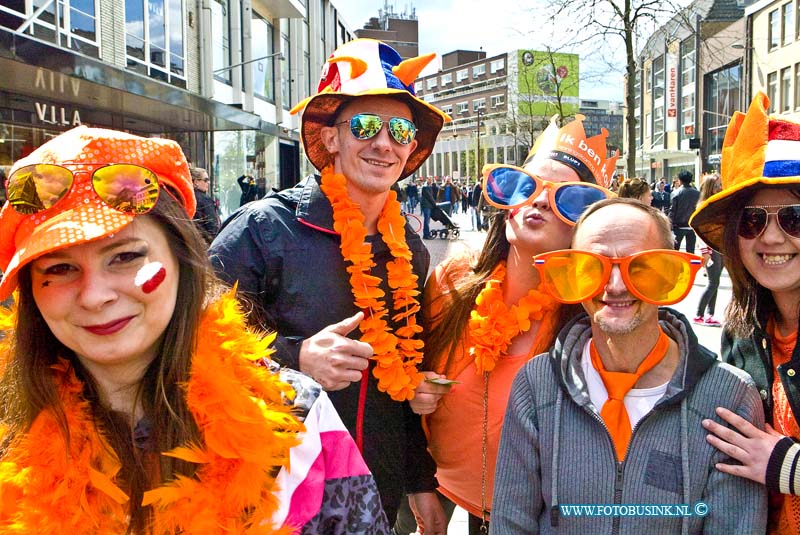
[[427, 395], [750, 445]]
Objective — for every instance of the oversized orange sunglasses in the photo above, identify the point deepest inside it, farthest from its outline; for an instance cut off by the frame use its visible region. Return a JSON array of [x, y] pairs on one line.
[[508, 187], [657, 276]]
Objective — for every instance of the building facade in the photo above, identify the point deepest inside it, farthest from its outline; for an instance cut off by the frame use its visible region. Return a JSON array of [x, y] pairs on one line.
[[398, 30], [499, 105], [688, 84], [207, 73]]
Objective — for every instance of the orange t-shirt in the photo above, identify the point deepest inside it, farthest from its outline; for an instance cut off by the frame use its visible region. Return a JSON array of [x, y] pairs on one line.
[[455, 429], [784, 515]]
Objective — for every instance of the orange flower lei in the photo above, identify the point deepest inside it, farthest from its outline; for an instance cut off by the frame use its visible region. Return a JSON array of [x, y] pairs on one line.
[[397, 355], [492, 324]]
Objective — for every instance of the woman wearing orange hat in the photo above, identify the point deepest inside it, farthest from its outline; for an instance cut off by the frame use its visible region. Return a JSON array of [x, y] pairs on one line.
[[487, 316], [134, 398], [755, 223]]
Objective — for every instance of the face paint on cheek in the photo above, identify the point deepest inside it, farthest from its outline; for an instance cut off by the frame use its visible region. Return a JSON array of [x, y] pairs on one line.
[[150, 277], [45, 284]]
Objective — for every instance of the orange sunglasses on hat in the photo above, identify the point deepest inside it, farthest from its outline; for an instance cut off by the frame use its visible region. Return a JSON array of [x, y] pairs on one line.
[[81, 186]]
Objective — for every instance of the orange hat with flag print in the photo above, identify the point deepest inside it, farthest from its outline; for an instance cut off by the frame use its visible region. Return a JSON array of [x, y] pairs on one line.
[[57, 204], [569, 145], [366, 67], [758, 149]]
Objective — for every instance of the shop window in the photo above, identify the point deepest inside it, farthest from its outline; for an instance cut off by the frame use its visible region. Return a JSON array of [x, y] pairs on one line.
[[154, 39]]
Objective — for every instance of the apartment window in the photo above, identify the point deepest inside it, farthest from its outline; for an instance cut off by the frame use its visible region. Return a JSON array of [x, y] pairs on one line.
[[69, 24], [787, 23], [687, 115], [797, 85], [462, 75], [462, 107], [648, 125], [774, 29], [687, 62], [786, 89], [772, 91], [220, 38], [479, 104], [498, 100], [497, 65], [658, 77], [447, 78], [658, 122], [418, 87], [478, 70], [722, 97], [448, 109], [154, 40], [431, 82], [648, 81], [263, 80]]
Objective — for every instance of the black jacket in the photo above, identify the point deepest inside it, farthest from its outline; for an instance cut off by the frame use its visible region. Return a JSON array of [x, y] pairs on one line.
[[683, 205], [205, 217], [285, 255], [754, 355]]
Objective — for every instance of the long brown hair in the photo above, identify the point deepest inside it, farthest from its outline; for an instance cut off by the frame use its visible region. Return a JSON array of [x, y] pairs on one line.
[[750, 300], [443, 332], [27, 387]]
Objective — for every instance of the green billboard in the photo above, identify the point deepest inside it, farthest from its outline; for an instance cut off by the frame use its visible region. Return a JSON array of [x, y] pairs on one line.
[[546, 78]]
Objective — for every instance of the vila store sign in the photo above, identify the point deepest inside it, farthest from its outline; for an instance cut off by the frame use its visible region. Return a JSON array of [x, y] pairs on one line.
[[672, 91], [60, 86]]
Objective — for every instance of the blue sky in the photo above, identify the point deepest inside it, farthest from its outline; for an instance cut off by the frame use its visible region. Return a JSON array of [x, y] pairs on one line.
[[496, 26]]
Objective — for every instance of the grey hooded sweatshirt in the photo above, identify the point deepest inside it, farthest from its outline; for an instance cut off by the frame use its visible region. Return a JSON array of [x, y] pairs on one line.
[[556, 451]]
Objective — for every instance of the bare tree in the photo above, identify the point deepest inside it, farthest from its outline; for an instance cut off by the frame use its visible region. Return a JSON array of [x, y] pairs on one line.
[[600, 25]]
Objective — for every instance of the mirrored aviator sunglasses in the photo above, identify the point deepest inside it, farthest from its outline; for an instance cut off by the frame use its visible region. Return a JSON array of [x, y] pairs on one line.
[[754, 220], [128, 188], [365, 126], [508, 187], [658, 276]]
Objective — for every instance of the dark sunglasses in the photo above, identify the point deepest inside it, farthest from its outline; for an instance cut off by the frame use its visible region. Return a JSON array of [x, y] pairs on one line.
[[508, 187], [367, 125], [128, 188], [754, 220]]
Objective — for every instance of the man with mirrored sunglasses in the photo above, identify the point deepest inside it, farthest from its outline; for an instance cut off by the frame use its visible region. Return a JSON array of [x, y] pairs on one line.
[[332, 266], [611, 416]]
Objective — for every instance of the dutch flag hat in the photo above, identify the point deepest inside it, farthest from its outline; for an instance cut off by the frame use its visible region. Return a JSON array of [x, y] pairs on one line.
[[759, 149], [366, 67]]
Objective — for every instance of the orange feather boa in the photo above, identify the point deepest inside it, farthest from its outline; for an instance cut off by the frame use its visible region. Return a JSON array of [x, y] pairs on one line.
[[247, 428]]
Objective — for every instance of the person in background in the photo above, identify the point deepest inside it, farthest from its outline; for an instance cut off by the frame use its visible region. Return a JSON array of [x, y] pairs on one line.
[[449, 193], [247, 183], [612, 414], [476, 205], [755, 223], [636, 188], [486, 315], [206, 217], [661, 197], [684, 201], [464, 198], [712, 260], [412, 194], [333, 267], [427, 203], [135, 400]]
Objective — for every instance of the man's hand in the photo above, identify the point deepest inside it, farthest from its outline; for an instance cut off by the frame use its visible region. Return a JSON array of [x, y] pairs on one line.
[[332, 359], [427, 395], [750, 446], [429, 513]]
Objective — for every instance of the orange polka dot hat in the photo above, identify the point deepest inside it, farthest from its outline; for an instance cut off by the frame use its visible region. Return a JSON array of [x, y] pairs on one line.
[[81, 216]]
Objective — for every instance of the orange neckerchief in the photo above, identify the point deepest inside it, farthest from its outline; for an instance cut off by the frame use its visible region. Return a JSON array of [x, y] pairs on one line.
[[784, 509], [618, 384]]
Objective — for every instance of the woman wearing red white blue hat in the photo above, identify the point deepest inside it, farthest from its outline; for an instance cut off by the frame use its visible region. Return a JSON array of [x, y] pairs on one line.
[[755, 223]]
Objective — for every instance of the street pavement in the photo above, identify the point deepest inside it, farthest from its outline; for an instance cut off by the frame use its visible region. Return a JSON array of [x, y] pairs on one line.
[[473, 240]]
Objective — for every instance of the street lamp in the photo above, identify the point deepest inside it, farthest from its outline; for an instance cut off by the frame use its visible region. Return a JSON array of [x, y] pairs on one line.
[[229, 67]]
